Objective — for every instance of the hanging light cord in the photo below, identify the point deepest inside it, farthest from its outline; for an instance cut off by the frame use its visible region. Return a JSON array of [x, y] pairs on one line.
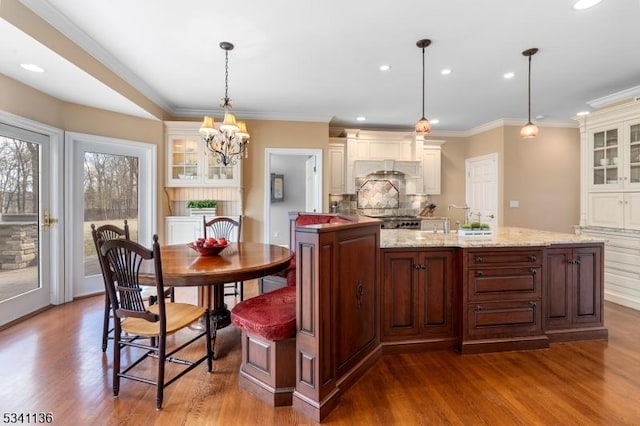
[[529, 89], [423, 85], [227, 101]]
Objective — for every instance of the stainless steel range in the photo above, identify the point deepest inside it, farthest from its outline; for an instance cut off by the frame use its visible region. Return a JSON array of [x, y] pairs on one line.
[[400, 222]]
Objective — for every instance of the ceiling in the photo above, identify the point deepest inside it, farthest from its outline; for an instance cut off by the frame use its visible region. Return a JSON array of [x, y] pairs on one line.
[[319, 60]]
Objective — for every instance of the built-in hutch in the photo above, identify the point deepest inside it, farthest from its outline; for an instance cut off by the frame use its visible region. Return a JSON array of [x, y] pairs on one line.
[[610, 196]]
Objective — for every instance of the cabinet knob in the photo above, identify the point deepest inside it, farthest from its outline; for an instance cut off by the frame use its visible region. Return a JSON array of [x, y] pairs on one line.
[[533, 271], [532, 258], [479, 274], [533, 304], [416, 266], [423, 267], [478, 308], [477, 259]]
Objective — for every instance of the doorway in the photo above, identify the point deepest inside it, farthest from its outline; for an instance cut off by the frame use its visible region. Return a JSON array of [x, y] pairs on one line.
[[299, 171], [482, 189], [30, 203], [108, 180]]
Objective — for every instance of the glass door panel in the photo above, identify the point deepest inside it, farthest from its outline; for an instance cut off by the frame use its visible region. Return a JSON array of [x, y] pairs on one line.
[[19, 209], [110, 197]]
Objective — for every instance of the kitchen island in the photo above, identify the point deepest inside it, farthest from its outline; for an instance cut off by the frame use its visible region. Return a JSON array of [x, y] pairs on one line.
[[517, 289]]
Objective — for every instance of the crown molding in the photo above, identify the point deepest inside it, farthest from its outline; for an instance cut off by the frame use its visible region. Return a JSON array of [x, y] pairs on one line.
[[51, 15], [631, 93], [247, 115]]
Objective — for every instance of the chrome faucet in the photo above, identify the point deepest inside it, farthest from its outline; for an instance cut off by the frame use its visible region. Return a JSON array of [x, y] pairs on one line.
[[466, 211]]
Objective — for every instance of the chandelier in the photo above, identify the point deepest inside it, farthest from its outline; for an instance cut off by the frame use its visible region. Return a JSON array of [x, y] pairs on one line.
[[529, 130], [229, 141], [423, 126]]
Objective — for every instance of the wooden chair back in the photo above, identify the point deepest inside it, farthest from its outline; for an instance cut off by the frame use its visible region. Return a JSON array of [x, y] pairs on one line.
[[124, 258], [223, 227]]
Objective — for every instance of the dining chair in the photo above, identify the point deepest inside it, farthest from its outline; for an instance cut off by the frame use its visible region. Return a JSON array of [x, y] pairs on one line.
[[229, 229], [122, 259], [110, 232]]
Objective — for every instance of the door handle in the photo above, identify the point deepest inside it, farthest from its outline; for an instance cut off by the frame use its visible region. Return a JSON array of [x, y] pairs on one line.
[[490, 216], [47, 220]]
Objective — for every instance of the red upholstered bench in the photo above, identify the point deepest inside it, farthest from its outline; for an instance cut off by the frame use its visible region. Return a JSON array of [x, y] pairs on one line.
[[268, 324]]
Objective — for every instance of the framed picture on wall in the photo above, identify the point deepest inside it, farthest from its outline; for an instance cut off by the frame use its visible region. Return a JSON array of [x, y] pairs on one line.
[[277, 187]]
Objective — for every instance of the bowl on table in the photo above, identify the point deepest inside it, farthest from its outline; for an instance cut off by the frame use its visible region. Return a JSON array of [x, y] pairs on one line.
[[208, 251]]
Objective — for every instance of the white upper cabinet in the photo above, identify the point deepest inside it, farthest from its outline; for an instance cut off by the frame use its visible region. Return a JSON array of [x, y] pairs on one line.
[[336, 165], [190, 164], [369, 151]]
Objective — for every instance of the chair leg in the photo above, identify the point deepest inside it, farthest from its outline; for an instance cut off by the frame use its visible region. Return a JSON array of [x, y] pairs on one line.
[[116, 358], [105, 322], [241, 286], [207, 341], [162, 345]]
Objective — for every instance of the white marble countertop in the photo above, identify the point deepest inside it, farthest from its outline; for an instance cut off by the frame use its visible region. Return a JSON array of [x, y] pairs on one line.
[[502, 237]]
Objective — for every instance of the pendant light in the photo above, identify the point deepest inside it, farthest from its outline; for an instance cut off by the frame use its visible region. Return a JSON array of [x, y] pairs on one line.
[[530, 130], [423, 126]]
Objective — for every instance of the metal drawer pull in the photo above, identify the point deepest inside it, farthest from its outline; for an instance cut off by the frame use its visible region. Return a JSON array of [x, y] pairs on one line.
[[532, 258], [534, 271], [477, 259], [532, 304], [416, 266], [478, 308], [479, 274]]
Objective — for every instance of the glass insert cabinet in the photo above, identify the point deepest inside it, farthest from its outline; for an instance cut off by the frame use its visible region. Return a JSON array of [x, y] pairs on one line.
[[189, 163], [615, 155]]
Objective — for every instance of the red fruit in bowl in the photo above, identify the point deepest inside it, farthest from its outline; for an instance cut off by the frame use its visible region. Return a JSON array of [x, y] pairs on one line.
[[212, 240], [198, 242], [222, 241], [202, 239], [208, 244]]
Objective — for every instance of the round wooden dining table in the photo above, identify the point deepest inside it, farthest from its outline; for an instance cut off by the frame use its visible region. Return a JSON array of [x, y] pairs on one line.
[[182, 266]]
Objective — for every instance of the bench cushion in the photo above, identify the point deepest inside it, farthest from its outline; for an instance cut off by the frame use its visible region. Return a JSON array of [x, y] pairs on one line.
[[271, 315]]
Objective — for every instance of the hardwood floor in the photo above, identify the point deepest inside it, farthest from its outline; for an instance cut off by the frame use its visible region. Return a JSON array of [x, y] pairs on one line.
[[53, 363]]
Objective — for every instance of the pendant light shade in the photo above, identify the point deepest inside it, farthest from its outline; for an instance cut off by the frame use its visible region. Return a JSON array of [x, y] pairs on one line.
[[530, 130], [423, 126]]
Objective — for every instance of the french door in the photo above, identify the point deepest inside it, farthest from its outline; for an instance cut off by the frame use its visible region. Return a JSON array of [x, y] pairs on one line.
[[108, 181], [30, 233]]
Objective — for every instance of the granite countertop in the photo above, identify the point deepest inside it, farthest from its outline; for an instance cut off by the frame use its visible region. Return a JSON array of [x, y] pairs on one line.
[[502, 237]]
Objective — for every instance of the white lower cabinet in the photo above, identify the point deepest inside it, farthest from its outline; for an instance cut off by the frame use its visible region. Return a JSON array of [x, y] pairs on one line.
[[621, 265], [185, 229], [619, 210]]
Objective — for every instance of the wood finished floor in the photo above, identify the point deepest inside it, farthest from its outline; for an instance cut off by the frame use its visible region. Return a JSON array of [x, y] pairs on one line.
[[53, 363]]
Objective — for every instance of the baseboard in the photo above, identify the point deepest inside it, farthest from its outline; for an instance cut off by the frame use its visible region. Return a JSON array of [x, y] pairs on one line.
[[503, 345], [573, 334]]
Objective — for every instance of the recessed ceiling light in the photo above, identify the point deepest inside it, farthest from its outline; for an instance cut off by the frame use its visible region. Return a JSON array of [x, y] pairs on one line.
[[385, 67], [539, 117], [434, 121], [581, 113], [585, 4], [508, 75], [445, 71], [361, 118], [32, 67]]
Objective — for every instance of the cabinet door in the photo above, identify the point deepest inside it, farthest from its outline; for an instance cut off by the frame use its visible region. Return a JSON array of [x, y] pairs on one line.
[[399, 294], [216, 174], [587, 284], [183, 230], [606, 158], [184, 161], [431, 165], [436, 294], [559, 287], [632, 210], [632, 154], [606, 209], [337, 177]]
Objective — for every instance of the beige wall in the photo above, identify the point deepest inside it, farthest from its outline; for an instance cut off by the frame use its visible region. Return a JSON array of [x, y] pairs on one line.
[[543, 174], [452, 178], [275, 134]]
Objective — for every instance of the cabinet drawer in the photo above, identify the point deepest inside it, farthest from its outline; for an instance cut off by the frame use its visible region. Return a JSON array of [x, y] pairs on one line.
[[509, 258], [486, 284], [504, 319]]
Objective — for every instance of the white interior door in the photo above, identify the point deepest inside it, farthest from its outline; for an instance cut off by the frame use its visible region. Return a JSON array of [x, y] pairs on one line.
[[108, 180], [482, 188], [29, 247], [311, 175]]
